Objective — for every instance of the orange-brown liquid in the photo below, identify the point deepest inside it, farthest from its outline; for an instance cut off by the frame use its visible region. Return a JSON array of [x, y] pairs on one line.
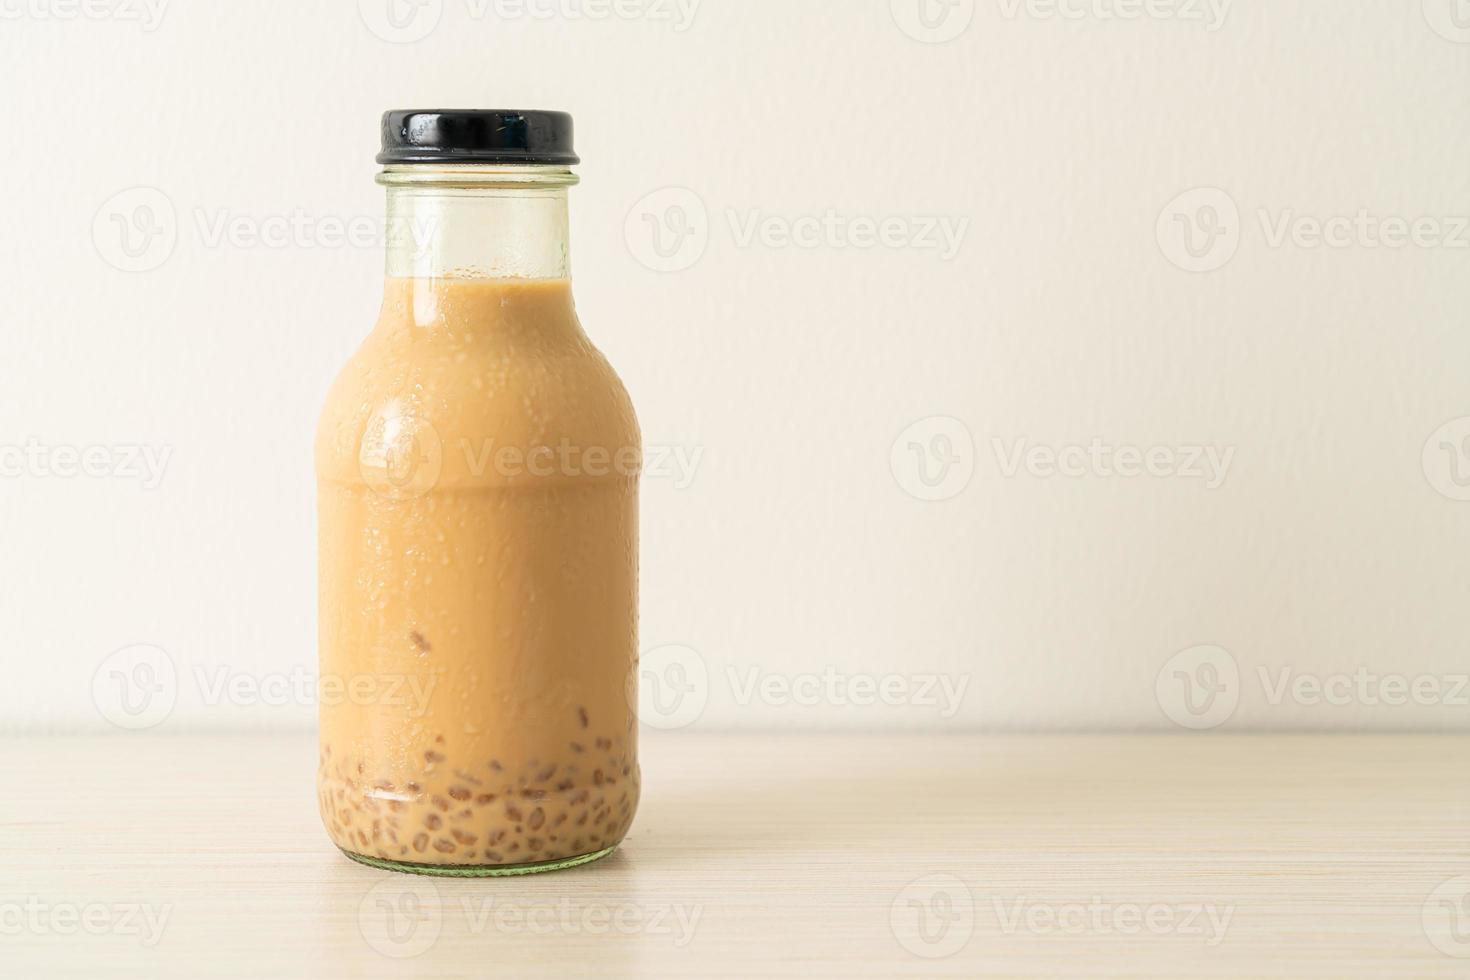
[[477, 471]]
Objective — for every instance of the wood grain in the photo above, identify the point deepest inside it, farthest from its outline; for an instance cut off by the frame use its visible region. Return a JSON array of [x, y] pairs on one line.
[[1110, 856]]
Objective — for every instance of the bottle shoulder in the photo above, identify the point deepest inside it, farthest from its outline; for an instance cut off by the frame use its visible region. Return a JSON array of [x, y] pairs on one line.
[[476, 396]]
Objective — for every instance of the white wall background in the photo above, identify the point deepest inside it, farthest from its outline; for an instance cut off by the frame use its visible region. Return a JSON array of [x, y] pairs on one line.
[[1335, 544]]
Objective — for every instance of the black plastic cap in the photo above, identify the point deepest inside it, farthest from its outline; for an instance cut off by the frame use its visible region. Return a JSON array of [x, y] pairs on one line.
[[488, 136]]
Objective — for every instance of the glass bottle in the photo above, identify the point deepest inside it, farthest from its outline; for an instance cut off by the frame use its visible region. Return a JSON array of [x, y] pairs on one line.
[[478, 465]]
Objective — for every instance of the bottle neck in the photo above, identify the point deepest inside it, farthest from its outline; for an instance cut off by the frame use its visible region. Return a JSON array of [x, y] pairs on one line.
[[477, 222]]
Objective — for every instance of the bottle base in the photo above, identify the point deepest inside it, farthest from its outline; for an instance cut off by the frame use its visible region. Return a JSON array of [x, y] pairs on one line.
[[478, 870]]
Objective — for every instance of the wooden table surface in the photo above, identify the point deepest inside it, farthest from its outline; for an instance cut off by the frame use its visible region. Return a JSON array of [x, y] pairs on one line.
[[812, 856]]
